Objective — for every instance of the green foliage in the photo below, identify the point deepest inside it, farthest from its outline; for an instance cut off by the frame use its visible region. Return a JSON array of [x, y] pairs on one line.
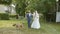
[[50, 17], [42, 6], [20, 7], [4, 16], [12, 16], [7, 2]]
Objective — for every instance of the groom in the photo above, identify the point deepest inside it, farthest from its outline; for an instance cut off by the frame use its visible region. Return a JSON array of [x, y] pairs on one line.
[[29, 18]]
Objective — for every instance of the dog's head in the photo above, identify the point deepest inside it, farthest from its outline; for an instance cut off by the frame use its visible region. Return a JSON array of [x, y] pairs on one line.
[[14, 24]]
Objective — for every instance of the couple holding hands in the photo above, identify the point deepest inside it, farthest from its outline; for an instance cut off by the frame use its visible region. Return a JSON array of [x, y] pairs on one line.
[[35, 22]]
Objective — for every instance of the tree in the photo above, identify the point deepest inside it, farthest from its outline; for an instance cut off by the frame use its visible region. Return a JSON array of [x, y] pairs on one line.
[[6, 2], [42, 6], [20, 7]]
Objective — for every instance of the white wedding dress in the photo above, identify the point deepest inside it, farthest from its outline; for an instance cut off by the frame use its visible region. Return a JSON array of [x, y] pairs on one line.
[[35, 24]]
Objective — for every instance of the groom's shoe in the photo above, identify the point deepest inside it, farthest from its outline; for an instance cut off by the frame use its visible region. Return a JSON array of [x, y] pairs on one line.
[[29, 27]]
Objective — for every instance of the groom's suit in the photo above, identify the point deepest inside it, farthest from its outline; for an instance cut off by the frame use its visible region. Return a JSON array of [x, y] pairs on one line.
[[29, 19]]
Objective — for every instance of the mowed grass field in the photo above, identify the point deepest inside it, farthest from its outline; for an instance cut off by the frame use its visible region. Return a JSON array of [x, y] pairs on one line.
[[46, 28]]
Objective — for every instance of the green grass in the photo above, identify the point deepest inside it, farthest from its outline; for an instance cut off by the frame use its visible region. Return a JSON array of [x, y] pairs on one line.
[[46, 28]]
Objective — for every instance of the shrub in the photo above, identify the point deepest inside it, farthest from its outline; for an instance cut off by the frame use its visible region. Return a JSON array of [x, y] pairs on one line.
[[12, 16], [51, 17], [4, 16]]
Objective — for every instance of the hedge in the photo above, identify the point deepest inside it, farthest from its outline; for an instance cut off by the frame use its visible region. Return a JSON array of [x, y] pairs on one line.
[[4, 16]]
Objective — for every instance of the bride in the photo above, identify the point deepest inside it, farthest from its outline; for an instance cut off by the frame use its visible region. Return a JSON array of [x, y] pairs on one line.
[[35, 24]]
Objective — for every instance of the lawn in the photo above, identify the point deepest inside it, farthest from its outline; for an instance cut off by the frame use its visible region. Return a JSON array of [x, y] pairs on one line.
[[46, 28]]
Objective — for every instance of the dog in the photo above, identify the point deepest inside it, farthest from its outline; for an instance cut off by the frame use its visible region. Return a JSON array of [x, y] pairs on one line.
[[19, 26]]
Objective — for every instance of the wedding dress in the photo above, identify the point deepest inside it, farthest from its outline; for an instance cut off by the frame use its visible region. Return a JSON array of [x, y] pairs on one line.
[[35, 24]]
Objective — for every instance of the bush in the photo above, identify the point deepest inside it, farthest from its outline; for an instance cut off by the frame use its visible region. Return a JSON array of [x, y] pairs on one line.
[[16, 17], [12, 16], [4, 16], [51, 17]]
